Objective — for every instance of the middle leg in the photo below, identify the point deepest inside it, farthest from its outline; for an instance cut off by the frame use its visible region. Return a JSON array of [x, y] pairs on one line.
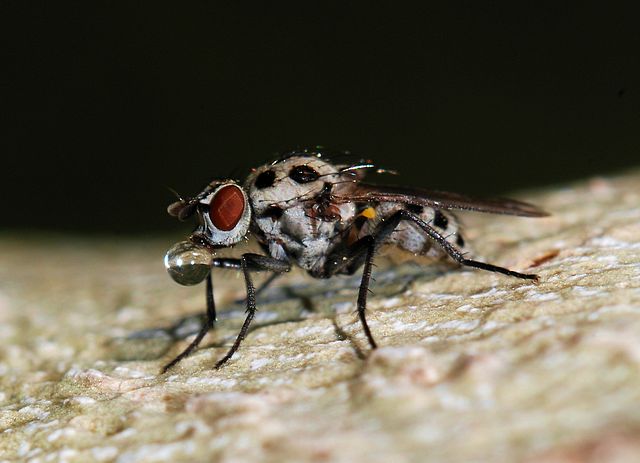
[[362, 252], [207, 325]]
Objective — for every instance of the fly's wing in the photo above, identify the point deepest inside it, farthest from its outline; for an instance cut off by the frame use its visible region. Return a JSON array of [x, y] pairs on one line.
[[364, 192]]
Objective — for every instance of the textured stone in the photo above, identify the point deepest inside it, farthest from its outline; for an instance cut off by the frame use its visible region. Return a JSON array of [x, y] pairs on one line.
[[472, 366]]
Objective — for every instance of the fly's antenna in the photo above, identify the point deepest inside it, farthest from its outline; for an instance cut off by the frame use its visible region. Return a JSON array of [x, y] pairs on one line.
[[182, 208], [177, 195]]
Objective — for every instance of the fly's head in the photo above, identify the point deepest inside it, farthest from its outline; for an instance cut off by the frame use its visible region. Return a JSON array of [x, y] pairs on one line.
[[223, 214]]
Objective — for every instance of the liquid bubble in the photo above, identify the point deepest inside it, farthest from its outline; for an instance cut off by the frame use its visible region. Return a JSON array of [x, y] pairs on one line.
[[187, 263]]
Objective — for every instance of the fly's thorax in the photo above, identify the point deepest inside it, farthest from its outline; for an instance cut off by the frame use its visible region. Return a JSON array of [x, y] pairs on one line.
[[297, 236], [293, 207], [286, 183]]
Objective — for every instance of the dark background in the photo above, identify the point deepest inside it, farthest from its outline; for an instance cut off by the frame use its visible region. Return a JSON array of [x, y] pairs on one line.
[[106, 104]]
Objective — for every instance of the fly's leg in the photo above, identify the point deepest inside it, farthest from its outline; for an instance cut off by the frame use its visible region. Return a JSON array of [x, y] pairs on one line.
[[209, 321], [265, 284], [251, 311], [364, 290], [362, 252], [454, 253], [352, 257], [247, 263]]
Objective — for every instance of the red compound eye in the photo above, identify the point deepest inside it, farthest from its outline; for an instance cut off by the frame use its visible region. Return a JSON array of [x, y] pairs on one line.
[[226, 207]]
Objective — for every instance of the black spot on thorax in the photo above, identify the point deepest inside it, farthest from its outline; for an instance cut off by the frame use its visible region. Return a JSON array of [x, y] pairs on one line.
[[439, 220], [303, 174], [265, 179], [415, 208], [274, 212]]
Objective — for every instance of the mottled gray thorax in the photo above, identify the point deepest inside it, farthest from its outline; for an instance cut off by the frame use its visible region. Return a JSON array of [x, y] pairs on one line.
[[290, 219]]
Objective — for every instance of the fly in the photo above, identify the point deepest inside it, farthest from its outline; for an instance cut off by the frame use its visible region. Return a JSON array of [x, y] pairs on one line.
[[323, 217]]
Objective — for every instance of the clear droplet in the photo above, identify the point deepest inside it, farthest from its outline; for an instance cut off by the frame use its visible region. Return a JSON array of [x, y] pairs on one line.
[[187, 263]]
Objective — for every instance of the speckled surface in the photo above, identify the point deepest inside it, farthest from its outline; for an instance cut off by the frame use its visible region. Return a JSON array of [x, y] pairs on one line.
[[472, 366]]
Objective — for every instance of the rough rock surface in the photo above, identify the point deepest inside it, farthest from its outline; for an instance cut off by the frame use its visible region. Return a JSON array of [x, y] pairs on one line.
[[472, 366]]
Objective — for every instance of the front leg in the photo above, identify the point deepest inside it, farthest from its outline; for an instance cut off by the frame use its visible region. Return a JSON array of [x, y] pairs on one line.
[[263, 287], [247, 263], [209, 321]]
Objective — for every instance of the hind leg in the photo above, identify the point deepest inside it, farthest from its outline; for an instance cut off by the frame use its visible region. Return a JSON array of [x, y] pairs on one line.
[[362, 252]]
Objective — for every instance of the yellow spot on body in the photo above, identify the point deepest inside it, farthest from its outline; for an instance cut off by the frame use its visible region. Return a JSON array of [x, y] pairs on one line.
[[369, 213]]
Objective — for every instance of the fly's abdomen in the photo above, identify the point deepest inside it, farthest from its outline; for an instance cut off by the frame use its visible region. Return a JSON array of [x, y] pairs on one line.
[[408, 236]]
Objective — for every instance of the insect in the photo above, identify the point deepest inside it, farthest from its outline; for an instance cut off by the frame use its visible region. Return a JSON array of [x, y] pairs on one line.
[[305, 210]]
